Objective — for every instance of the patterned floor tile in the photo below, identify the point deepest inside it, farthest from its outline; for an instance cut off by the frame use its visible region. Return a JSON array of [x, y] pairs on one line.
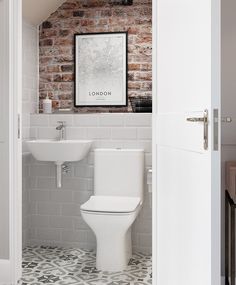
[[52, 265]]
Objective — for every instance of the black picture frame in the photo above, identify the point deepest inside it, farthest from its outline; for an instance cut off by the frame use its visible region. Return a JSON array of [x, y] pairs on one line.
[[78, 105]]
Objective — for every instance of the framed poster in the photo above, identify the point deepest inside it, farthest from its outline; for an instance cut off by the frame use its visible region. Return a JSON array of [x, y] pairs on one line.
[[101, 70]]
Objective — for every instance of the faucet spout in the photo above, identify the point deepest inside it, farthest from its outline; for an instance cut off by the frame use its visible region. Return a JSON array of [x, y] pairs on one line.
[[62, 128]]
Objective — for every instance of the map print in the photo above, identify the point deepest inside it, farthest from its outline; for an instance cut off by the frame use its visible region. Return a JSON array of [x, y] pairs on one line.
[[101, 69]]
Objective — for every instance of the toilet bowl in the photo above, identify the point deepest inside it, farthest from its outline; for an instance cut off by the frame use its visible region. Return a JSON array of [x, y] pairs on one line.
[[117, 200], [111, 222]]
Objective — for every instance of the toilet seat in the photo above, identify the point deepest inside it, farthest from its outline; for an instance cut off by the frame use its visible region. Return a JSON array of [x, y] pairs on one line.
[[111, 204]]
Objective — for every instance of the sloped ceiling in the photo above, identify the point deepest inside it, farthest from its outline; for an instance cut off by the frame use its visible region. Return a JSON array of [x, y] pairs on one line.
[[36, 11]]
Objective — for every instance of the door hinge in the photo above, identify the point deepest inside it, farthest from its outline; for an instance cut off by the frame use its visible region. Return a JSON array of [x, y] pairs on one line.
[[216, 129]]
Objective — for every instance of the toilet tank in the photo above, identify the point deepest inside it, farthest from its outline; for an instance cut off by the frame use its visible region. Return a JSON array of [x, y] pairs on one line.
[[119, 172]]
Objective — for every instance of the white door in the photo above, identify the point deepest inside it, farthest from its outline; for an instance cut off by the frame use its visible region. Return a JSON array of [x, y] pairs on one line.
[[10, 142], [188, 161]]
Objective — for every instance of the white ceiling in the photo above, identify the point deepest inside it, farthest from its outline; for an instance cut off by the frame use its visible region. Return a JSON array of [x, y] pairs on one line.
[[36, 11]]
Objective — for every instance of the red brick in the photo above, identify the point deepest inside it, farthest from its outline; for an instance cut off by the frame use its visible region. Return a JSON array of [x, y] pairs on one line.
[[64, 41], [68, 6], [133, 30], [102, 22], [134, 66], [106, 13], [84, 22], [53, 68], [63, 59], [142, 21], [42, 69], [78, 13], [147, 86], [47, 33], [143, 76], [67, 68], [46, 77], [48, 51], [46, 25], [46, 42], [64, 96], [146, 66], [57, 77], [144, 39], [65, 14], [130, 76], [65, 104], [67, 77], [64, 50], [55, 104], [134, 85], [64, 33], [41, 86], [66, 86], [45, 60], [56, 52]]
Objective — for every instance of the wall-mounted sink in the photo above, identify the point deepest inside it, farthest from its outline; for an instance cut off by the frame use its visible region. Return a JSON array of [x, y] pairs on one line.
[[59, 151]]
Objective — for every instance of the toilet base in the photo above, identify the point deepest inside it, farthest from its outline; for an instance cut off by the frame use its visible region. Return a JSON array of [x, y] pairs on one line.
[[113, 236], [113, 254]]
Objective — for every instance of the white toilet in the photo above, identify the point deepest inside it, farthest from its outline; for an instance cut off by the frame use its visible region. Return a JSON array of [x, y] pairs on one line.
[[117, 200]]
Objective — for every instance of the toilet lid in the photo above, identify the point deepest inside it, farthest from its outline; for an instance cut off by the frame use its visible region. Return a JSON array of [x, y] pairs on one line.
[[112, 204]]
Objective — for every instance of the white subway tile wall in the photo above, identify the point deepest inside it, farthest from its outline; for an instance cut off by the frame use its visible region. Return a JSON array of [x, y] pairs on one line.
[[29, 105], [25, 197], [29, 75], [55, 217]]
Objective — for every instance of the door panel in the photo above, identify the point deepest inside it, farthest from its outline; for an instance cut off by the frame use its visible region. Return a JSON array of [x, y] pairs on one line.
[[184, 54], [188, 186], [178, 133], [184, 218]]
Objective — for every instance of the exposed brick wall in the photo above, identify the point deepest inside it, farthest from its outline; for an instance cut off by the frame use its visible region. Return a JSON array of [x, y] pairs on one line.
[[56, 38]]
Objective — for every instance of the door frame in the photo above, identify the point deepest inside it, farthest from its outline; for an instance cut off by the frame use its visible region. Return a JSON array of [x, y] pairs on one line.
[[11, 269], [16, 140], [154, 142]]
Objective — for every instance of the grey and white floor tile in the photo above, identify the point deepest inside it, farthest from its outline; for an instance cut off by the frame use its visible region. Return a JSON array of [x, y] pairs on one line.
[[52, 265]]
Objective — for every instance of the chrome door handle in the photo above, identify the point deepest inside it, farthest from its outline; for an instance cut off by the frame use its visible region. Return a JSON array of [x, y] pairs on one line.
[[205, 121], [195, 119]]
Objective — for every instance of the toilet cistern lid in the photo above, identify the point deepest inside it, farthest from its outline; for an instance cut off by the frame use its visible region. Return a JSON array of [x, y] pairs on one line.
[[111, 204]]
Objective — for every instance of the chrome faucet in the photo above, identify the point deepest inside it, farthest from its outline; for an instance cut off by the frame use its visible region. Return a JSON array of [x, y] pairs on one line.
[[62, 129]]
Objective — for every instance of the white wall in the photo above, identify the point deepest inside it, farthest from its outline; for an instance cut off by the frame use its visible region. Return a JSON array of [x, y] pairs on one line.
[[228, 82], [55, 213], [29, 105], [30, 75]]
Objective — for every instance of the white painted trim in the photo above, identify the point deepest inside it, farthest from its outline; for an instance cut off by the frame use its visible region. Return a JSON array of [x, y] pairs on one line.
[[216, 155], [15, 142], [154, 142], [11, 269], [15, 189], [5, 270]]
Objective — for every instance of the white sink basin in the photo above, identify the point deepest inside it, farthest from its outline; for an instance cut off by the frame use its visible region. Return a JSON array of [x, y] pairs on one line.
[[59, 151]]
